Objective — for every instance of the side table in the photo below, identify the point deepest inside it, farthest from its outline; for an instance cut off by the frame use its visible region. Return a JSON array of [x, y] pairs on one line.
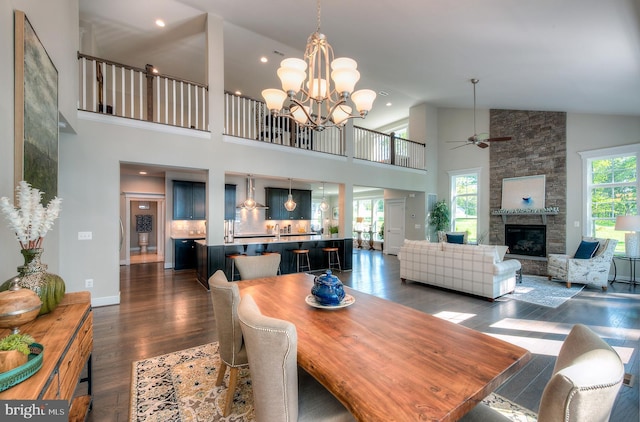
[[632, 269]]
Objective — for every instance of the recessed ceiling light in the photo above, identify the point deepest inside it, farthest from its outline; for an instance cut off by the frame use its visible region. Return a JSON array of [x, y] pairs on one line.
[[142, 172], [160, 23], [154, 70], [388, 104], [238, 93], [264, 59]]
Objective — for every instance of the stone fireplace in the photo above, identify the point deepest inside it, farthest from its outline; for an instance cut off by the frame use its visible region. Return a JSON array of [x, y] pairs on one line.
[[538, 147]]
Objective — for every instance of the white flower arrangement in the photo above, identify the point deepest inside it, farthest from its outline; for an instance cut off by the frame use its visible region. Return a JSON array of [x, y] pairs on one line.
[[30, 221]]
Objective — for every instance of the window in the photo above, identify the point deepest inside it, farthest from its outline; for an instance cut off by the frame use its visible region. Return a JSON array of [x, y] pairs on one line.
[[464, 203], [611, 190], [368, 215]]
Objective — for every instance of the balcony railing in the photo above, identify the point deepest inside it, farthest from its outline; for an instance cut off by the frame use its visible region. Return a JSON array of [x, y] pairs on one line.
[[125, 91]]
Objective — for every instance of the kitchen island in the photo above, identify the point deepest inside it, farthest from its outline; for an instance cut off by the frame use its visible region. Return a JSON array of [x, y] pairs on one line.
[[211, 258]]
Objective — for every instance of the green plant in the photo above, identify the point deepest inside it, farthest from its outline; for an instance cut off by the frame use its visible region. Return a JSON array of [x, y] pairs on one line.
[[19, 342], [440, 216], [334, 229], [381, 232]]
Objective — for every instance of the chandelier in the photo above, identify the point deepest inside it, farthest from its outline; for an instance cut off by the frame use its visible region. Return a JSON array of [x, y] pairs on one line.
[[319, 97], [324, 205], [290, 205]]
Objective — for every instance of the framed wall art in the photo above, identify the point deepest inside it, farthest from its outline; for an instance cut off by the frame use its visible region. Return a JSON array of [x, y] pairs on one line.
[[36, 111], [523, 192]]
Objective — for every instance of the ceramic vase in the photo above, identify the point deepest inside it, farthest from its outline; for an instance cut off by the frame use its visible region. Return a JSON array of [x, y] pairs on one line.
[[34, 276]]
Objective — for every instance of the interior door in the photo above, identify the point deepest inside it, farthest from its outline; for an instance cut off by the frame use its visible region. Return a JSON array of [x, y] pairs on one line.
[[394, 210]]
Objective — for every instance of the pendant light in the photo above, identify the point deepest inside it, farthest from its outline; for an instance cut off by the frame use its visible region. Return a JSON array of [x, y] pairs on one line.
[[290, 205], [324, 205]]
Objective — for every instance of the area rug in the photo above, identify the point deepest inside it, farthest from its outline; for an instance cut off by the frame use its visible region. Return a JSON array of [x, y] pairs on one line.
[[180, 387], [542, 291]]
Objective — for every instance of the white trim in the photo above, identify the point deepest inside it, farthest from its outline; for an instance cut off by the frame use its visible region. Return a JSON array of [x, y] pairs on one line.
[[610, 152], [161, 239], [105, 301], [477, 171], [141, 124]]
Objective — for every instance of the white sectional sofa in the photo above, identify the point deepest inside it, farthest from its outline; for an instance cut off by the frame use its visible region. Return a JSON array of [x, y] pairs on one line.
[[475, 269]]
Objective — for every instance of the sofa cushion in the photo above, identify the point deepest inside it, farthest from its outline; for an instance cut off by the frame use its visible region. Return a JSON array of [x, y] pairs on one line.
[[586, 250], [455, 238]]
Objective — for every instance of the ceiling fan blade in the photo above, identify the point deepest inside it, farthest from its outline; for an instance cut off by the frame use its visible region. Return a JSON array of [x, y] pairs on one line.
[[481, 137], [463, 145], [466, 142], [504, 138], [482, 144]]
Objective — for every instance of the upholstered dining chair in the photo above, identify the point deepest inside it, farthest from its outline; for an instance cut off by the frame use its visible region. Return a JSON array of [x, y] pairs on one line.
[[586, 270], [281, 391], [233, 353], [258, 266], [586, 378]]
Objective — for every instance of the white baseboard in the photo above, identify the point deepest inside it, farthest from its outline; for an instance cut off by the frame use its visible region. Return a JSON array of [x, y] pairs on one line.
[[105, 301]]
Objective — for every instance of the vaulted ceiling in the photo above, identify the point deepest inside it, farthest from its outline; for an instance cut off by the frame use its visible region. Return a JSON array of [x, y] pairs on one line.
[[569, 55]]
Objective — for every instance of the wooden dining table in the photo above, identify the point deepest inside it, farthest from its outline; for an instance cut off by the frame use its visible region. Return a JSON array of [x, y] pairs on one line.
[[385, 361]]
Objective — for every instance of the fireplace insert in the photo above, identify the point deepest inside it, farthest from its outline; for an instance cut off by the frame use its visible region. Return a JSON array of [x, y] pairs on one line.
[[522, 239]]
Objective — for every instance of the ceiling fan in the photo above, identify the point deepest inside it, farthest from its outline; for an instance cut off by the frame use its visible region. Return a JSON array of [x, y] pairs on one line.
[[481, 140]]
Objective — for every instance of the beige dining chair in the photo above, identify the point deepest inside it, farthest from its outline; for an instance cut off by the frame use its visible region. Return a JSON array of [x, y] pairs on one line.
[[281, 391], [586, 378], [258, 266], [225, 297]]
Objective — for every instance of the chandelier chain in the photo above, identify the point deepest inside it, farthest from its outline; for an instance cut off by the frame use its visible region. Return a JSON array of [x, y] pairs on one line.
[[318, 14]]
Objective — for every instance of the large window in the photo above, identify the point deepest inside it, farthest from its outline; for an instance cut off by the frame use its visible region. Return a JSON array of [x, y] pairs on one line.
[[611, 191], [368, 215], [464, 203]]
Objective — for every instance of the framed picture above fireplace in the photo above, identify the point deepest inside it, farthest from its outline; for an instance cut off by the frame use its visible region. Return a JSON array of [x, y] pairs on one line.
[[523, 192]]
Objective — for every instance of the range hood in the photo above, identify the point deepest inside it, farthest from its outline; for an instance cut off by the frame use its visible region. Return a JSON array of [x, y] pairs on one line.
[[250, 203]]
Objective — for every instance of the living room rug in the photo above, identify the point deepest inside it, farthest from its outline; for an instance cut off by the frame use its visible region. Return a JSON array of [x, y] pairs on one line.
[[180, 387], [542, 291]]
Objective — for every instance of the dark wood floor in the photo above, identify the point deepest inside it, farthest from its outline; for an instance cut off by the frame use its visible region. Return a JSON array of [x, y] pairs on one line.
[[162, 311]]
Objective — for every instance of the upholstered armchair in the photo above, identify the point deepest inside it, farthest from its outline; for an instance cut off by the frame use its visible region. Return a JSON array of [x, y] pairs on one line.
[[586, 379], [594, 270], [225, 297], [282, 392], [442, 236]]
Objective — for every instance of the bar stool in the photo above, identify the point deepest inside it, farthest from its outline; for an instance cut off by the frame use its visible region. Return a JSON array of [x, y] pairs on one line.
[[271, 253], [232, 258], [332, 252], [301, 254]]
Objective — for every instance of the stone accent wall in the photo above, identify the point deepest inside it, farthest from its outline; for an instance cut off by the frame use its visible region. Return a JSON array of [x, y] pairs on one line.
[[538, 147]]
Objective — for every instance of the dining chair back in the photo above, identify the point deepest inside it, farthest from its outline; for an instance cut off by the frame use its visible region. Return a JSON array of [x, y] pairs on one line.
[[258, 266], [586, 379], [225, 297], [282, 392]]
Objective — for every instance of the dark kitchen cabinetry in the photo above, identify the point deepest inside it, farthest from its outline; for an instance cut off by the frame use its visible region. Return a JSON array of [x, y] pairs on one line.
[[276, 197], [229, 202], [189, 200], [184, 256]]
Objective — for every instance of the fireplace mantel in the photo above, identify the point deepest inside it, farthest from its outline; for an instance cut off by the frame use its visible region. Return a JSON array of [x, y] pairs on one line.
[[542, 212]]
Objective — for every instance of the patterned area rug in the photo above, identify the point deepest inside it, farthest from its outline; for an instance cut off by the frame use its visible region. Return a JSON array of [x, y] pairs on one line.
[[542, 291], [180, 387]]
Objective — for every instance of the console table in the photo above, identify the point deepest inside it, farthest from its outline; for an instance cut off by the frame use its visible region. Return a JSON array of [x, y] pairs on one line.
[[632, 269], [67, 336]]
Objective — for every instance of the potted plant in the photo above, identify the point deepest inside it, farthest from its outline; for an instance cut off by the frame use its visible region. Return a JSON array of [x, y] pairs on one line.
[[333, 230], [440, 217], [381, 232], [14, 351]]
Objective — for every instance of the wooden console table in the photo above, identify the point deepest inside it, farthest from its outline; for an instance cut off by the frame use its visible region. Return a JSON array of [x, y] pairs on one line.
[[67, 337]]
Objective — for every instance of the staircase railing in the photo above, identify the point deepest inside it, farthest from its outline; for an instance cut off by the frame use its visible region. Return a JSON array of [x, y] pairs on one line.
[[126, 91]]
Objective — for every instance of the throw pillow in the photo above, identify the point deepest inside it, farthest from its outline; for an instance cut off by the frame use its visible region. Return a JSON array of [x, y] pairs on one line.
[[455, 238], [586, 250]]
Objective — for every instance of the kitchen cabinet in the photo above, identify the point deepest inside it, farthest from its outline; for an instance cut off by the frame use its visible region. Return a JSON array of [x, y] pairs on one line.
[[276, 197], [229, 202], [185, 255], [189, 200]]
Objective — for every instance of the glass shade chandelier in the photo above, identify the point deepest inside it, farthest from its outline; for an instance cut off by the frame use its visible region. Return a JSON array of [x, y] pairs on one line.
[[324, 205], [290, 205], [319, 97]]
